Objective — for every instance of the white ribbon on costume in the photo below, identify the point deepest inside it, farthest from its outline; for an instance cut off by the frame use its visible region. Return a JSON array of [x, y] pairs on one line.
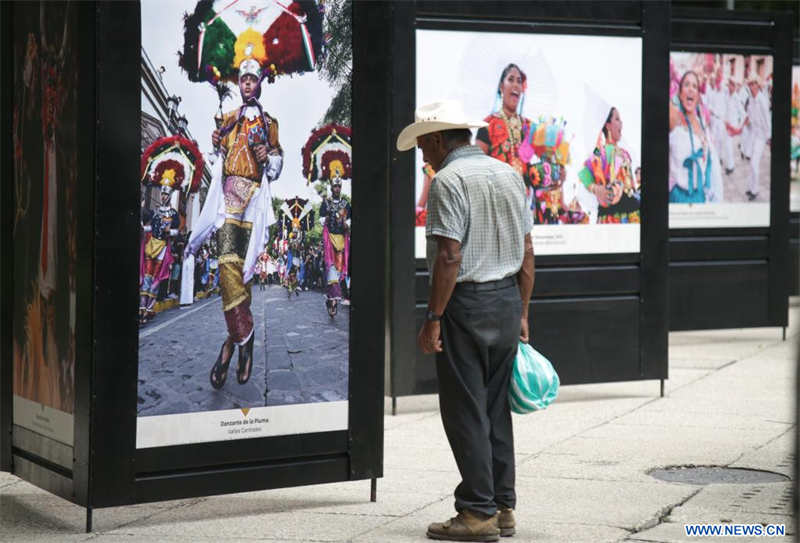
[[212, 216], [259, 235]]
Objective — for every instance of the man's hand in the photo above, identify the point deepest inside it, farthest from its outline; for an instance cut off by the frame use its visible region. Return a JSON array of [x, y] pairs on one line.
[[429, 338], [261, 153], [215, 138], [524, 336]]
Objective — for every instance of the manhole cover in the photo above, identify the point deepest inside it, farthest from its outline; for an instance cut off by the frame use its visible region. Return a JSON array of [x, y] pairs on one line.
[[707, 475]]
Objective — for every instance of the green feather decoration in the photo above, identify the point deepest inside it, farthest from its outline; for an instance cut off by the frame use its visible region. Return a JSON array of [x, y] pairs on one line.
[[218, 48]]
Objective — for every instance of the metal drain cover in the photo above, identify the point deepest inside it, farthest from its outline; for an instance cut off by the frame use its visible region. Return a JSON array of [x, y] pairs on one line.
[[708, 475]]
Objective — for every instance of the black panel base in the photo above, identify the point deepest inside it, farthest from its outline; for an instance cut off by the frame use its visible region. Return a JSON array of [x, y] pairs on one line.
[[590, 340], [715, 295], [241, 478], [55, 481]]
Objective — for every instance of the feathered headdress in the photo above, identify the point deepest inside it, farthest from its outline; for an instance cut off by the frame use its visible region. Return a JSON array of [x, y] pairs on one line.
[[173, 161], [285, 38], [327, 154]]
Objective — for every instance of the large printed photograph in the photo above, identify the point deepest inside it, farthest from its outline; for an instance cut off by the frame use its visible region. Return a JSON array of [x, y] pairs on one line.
[[720, 117], [794, 163], [570, 125], [44, 135], [246, 183]]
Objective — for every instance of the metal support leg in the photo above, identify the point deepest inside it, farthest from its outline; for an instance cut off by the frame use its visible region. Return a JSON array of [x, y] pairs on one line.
[[662, 388], [784, 333], [88, 520], [373, 490], [394, 405]]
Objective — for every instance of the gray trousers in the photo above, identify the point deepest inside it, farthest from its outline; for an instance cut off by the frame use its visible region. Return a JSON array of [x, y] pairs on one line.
[[480, 332]]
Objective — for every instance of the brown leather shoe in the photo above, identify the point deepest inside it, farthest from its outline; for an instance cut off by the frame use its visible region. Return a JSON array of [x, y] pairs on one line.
[[506, 522], [466, 526]]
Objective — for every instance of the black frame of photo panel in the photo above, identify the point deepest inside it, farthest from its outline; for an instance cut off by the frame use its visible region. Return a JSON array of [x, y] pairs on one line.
[[45, 462], [107, 469], [737, 277], [613, 300], [794, 216], [6, 238]]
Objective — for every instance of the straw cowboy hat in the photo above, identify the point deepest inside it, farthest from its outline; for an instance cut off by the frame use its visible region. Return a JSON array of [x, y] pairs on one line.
[[435, 117]]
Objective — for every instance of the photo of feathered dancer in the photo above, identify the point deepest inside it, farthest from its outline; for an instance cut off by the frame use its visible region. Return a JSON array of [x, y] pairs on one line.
[[327, 159], [237, 208], [44, 135], [720, 117]]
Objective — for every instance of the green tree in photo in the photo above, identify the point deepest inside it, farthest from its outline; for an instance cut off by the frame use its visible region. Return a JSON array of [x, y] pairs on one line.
[[337, 69]]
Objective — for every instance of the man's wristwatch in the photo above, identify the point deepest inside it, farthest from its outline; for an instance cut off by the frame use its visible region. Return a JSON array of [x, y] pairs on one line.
[[431, 316]]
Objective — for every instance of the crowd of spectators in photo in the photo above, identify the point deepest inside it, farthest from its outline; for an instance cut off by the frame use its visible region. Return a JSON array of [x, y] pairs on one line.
[[275, 267]]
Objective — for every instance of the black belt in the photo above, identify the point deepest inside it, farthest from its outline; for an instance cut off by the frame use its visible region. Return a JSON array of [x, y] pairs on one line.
[[506, 282]]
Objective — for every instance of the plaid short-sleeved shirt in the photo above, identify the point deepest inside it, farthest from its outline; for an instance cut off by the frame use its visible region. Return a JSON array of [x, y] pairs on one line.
[[480, 202]]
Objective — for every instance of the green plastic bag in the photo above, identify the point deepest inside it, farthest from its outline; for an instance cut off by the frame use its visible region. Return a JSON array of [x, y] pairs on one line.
[[534, 381]]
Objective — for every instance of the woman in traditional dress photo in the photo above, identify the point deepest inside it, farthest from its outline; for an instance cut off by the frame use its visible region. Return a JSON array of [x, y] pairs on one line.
[[608, 174], [694, 174], [502, 138], [509, 137]]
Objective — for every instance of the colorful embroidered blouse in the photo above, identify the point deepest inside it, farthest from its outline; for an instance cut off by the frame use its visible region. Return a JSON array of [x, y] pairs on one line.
[[240, 159], [337, 213], [607, 166], [504, 141], [162, 221]]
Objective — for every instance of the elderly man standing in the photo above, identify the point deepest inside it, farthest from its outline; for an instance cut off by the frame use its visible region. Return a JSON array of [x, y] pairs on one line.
[[480, 256]]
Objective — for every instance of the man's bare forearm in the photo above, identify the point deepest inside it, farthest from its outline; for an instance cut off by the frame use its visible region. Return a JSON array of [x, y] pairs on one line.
[[445, 273], [525, 276]]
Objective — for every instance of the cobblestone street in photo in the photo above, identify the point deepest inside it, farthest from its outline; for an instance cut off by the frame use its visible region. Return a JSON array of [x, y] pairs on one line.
[[305, 359]]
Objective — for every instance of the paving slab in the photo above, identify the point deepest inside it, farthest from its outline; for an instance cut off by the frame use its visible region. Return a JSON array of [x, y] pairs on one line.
[[353, 498], [671, 532], [252, 516], [738, 503], [721, 345], [654, 415], [744, 388], [34, 513], [412, 528], [619, 504], [777, 455], [410, 405], [539, 432], [699, 441], [638, 448], [582, 467], [692, 360], [55, 537], [716, 504]]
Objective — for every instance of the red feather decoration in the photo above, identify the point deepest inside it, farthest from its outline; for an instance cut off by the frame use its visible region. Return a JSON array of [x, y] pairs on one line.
[[341, 156], [169, 164], [186, 147], [283, 42], [316, 139]]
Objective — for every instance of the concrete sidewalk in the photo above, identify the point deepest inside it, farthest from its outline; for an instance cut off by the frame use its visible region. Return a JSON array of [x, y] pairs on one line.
[[581, 466]]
